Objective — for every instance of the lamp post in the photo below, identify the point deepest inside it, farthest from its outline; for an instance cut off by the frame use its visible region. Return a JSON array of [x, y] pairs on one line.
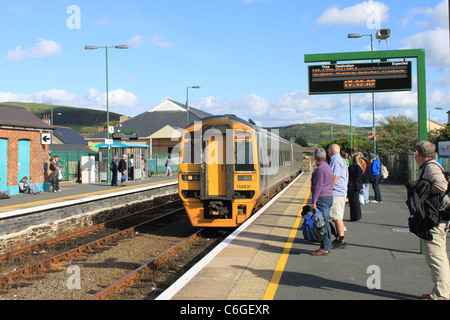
[[187, 102], [429, 117], [355, 36], [107, 96]]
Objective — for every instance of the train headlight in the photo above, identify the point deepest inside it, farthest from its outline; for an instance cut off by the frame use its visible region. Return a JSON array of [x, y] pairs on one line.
[[190, 177], [245, 178]]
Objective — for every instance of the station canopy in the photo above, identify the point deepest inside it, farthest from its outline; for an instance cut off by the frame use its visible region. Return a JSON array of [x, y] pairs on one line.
[[122, 145]]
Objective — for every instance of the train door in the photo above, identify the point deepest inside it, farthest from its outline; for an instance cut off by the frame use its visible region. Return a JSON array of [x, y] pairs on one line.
[[3, 164], [215, 152], [24, 160]]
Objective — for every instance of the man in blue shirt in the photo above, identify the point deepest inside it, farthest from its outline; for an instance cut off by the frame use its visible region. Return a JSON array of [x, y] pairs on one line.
[[340, 183], [376, 173]]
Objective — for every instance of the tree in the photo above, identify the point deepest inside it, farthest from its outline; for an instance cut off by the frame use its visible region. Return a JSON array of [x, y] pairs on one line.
[[440, 135], [397, 134], [301, 141], [345, 144]]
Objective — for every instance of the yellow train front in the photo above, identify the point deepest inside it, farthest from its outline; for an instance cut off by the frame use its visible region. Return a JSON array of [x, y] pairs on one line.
[[229, 167]]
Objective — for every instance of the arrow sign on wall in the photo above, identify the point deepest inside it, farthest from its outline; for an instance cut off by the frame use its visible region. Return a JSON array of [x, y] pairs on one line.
[[46, 138]]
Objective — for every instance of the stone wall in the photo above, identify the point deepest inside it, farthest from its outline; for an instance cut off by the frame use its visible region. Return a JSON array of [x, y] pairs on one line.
[[30, 229]]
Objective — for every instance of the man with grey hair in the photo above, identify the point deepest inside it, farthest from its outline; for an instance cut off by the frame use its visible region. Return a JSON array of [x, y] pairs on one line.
[[340, 185], [435, 249], [322, 196]]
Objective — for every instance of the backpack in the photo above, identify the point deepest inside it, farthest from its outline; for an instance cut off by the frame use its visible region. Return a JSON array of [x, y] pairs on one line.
[[444, 206], [314, 228], [423, 207], [384, 172]]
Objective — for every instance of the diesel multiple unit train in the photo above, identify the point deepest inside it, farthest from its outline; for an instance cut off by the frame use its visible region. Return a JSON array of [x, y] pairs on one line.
[[229, 167]]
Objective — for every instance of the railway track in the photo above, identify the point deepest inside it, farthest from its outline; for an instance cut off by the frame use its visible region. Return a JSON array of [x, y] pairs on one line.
[[103, 261]]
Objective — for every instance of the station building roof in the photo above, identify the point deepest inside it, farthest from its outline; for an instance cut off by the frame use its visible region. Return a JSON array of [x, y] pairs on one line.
[[13, 117], [167, 113]]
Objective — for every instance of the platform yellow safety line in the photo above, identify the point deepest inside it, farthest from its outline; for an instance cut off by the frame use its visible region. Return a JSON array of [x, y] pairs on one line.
[[279, 269]]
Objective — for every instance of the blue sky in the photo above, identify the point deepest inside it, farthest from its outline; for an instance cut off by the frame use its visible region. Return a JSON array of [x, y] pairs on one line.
[[247, 55]]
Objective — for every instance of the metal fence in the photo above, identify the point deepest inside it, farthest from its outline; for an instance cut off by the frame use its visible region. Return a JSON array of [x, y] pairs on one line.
[[70, 163], [403, 168], [157, 163]]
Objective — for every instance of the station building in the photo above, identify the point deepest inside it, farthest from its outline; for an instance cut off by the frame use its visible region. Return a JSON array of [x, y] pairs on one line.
[[160, 127], [153, 134], [24, 148]]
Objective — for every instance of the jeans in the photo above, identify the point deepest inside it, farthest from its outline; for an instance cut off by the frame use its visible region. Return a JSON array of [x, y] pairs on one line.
[[366, 192], [376, 187], [33, 188], [324, 205]]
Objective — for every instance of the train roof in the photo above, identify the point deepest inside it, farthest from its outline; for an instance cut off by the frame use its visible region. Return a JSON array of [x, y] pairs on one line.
[[249, 123], [233, 118]]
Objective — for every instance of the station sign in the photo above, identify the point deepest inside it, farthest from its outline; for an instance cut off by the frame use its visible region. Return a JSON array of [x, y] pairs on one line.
[[46, 138], [126, 135], [444, 149], [360, 77]]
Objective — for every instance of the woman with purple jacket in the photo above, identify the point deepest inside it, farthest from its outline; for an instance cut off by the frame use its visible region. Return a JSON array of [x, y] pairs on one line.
[[322, 196]]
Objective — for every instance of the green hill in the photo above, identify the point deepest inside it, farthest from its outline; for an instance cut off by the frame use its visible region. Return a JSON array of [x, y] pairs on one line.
[[317, 133], [80, 119]]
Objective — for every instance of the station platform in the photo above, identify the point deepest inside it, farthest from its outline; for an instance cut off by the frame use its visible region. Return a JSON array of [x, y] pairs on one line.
[[72, 190], [268, 259]]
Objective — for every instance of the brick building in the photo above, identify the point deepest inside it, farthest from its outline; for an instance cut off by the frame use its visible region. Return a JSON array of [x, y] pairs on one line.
[[21, 150]]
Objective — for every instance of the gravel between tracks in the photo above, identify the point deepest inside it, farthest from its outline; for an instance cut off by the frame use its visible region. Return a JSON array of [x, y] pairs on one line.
[[99, 270]]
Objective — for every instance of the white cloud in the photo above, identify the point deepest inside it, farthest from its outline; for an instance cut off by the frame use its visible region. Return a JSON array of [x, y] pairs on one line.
[[370, 13], [16, 55], [157, 42], [136, 41], [439, 14], [292, 108], [436, 44], [434, 35], [43, 49]]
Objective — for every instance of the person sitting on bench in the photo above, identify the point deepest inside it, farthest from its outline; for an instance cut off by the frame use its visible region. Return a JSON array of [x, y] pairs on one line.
[[24, 187]]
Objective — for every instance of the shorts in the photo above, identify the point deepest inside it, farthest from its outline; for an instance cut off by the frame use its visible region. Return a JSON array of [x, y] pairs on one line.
[[338, 208]]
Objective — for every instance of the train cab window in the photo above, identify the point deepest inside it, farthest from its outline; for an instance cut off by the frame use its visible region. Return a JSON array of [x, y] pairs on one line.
[[191, 149], [244, 160]]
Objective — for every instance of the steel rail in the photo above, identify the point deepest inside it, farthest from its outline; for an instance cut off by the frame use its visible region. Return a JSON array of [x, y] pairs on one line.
[[53, 262], [129, 278], [79, 233]]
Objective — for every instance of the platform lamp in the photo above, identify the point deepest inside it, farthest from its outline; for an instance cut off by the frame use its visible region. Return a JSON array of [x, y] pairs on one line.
[[429, 117], [107, 96], [187, 102]]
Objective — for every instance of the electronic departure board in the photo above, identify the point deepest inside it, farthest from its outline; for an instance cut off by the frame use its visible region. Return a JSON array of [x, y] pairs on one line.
[[364, 77]]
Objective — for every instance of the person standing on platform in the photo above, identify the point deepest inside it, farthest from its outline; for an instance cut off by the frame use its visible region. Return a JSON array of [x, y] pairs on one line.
[[340, 185], [114, 169], [435, 249], [322, 195], [376, 174], [367, 178], [168, 166], [355, 182], [123, 169], [54, 167]]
